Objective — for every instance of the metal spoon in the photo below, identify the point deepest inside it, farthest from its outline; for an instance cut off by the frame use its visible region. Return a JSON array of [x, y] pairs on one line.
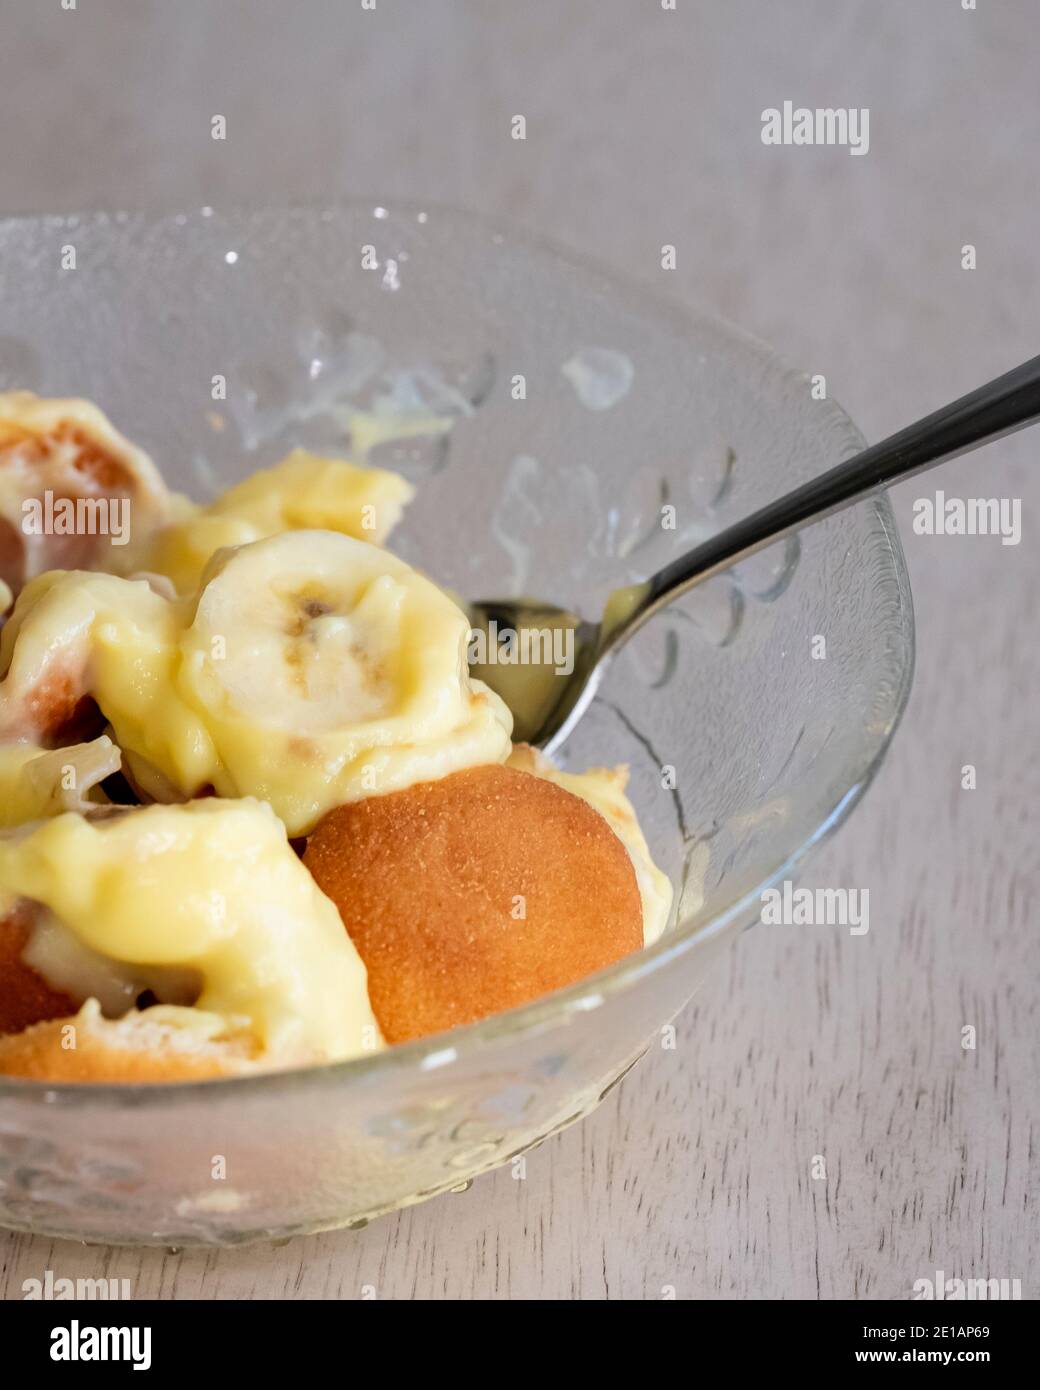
[[546, 705]]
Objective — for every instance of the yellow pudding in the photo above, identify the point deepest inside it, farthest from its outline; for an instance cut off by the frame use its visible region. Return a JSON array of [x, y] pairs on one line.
[[214, 887], [303, 492]]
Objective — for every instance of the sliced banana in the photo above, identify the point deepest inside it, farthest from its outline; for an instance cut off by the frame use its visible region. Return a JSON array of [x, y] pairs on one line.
[[73, 490], [311, 670], [303, 492], [36, 782], [328, 670]]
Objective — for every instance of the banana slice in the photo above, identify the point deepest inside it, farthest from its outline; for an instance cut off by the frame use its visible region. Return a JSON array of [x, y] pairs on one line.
[[311, 670], [304, 491], [73, 490], [36, 782], [327, 670]]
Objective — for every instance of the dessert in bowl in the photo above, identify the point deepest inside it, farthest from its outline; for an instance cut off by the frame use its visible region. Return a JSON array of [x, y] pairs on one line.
[[299, 689], [562, 434]]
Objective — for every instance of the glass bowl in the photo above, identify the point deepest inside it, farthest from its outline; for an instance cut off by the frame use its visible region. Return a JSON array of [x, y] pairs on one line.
[[568, 434]]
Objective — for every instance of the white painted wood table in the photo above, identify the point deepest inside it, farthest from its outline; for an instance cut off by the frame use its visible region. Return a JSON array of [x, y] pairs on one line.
[[643, 127]]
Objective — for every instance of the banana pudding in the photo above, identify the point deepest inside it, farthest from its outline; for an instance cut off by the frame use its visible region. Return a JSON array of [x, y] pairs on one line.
[[310, 669], [256, 811]]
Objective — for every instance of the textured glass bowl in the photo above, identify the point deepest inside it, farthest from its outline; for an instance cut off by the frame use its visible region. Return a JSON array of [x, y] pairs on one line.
[[572, 409]]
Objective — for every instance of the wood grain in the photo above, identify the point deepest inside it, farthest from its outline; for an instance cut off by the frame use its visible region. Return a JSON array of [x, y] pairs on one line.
[[643, 128]]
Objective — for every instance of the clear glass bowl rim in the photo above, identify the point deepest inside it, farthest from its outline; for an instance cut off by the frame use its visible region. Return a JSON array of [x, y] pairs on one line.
[[548, 1012]]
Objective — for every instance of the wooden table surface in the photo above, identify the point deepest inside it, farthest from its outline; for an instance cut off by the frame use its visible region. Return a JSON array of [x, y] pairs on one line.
[[643, 127]]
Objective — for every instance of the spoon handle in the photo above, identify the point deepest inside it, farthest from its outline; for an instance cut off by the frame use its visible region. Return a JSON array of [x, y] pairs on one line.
[[1001, 406]]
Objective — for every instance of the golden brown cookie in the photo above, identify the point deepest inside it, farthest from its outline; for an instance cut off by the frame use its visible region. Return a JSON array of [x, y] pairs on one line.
[[138, 1047], [474, 894], [25, 998]]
